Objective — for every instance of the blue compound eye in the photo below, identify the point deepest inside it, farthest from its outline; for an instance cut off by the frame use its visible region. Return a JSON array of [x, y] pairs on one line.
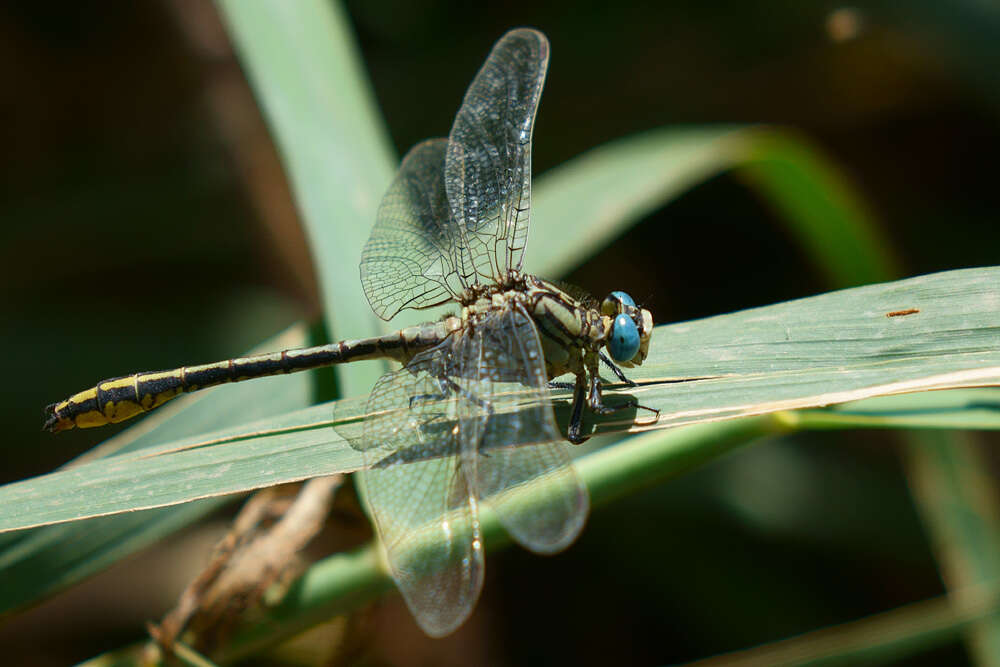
[[623, 343], [616, 302], [624, 298]]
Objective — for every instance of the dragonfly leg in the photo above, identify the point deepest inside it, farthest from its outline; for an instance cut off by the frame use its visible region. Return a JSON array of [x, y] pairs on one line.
[[448, 388], [417, 399], [587, 389], [573, 432], [456, 389], [596, 399], [617, 371]]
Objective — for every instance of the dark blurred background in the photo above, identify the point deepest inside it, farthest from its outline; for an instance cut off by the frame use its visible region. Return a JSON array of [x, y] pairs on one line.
[[147, 225]]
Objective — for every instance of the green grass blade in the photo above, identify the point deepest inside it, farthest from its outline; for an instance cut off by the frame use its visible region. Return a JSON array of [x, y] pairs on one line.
[[884, 638], [578, 207], [952, 476], [40, 562], [581, 205], [830, 221], [977, 409], [303, 65], [823, 350]]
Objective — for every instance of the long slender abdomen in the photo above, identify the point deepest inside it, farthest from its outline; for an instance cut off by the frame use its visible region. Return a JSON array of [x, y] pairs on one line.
[[117, 399]]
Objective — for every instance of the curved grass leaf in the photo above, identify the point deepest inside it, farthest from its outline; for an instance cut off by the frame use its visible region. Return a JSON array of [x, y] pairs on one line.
[[303, 65], [577, 208], [977, 409], [827, 349], [951, 478], [884, 638]]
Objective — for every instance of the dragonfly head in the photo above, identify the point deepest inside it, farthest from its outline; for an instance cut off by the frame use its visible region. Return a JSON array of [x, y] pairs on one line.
[[630, 329]]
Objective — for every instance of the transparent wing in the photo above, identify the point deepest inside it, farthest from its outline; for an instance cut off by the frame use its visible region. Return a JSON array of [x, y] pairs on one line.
[[524, 471], [465, 421], [409, 255], [420, 497], [457, 213], [487, 171], [537, 495]]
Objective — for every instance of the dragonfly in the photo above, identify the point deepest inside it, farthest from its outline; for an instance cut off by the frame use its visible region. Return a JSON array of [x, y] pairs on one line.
[[468, 419]]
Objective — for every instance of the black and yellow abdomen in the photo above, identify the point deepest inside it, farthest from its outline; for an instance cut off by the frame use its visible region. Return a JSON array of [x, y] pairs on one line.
[[117, 399]]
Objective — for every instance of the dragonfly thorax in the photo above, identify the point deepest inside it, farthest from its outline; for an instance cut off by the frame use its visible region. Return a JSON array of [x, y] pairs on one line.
[[512, 281]]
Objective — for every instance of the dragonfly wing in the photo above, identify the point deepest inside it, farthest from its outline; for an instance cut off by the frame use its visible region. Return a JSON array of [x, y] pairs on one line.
[[407, 259], [419, 494], [457, 212], [487, 172], [524, 471], [537, 495]]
